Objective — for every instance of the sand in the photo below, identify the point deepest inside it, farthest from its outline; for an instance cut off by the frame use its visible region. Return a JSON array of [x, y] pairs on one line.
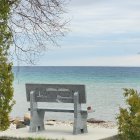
[[59, 130]]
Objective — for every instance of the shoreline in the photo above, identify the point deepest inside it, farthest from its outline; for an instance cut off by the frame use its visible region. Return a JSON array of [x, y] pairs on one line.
[[107, 124], [53, 122]]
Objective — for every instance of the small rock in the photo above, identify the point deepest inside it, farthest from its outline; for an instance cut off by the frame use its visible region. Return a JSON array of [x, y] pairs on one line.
[[92, 120], [12, 126], [27, 119], [18, 123], [11, 119], [16, 120], [49, 124], [51, 120]]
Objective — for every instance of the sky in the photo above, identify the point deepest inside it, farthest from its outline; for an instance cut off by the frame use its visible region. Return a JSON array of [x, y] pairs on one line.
[[102, 33]]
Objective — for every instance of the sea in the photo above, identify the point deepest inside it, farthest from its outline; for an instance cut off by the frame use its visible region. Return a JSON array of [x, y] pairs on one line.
[[104, 88]]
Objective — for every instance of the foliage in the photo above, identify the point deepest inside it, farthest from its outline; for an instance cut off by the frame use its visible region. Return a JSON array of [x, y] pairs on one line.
[[6, 75], [129, 118]]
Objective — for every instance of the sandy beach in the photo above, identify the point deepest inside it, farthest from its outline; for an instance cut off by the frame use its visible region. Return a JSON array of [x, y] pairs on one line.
[[63, 130]]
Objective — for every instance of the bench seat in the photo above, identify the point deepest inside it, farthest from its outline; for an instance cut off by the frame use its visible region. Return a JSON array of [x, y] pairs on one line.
[[58, 110]]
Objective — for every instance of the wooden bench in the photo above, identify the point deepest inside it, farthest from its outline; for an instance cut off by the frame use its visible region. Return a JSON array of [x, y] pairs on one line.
[[57, 93]]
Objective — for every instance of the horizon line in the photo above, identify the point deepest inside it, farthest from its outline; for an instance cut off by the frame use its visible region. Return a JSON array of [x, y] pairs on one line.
[[69, 66]]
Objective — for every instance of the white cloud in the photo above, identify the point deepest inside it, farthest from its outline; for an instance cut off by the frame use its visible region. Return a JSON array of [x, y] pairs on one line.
[[103, 33], [105, 17], [106, 27]]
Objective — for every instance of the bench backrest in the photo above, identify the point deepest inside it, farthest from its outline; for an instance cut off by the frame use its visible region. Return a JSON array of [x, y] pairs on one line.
[[63, 93]]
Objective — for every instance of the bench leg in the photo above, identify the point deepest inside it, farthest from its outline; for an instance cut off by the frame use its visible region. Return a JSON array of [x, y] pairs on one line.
[[80, 117], [37, 121], [80, 123], [37, 116]]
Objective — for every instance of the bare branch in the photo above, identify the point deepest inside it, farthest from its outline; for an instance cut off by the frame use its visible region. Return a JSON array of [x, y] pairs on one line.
[[36, 26]]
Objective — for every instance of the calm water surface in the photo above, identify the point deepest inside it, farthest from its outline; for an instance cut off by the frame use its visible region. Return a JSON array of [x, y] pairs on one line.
[[104, 87]]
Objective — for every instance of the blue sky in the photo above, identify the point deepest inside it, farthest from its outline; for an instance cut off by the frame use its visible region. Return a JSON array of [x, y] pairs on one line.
[[102, 33]]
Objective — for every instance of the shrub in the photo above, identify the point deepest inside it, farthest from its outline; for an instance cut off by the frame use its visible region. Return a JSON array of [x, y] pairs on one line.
[[6, 91], [6, 75], [129, 118]]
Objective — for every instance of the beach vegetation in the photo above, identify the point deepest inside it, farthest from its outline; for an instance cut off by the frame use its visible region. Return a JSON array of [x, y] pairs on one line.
[[129, 117]]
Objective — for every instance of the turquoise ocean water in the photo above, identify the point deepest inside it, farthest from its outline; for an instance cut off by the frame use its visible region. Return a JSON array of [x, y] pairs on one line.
[[104, 87]]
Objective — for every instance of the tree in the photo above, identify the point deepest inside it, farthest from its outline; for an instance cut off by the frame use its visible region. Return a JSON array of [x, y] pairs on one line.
[[27, 26], [6, 76], [36, 25]]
